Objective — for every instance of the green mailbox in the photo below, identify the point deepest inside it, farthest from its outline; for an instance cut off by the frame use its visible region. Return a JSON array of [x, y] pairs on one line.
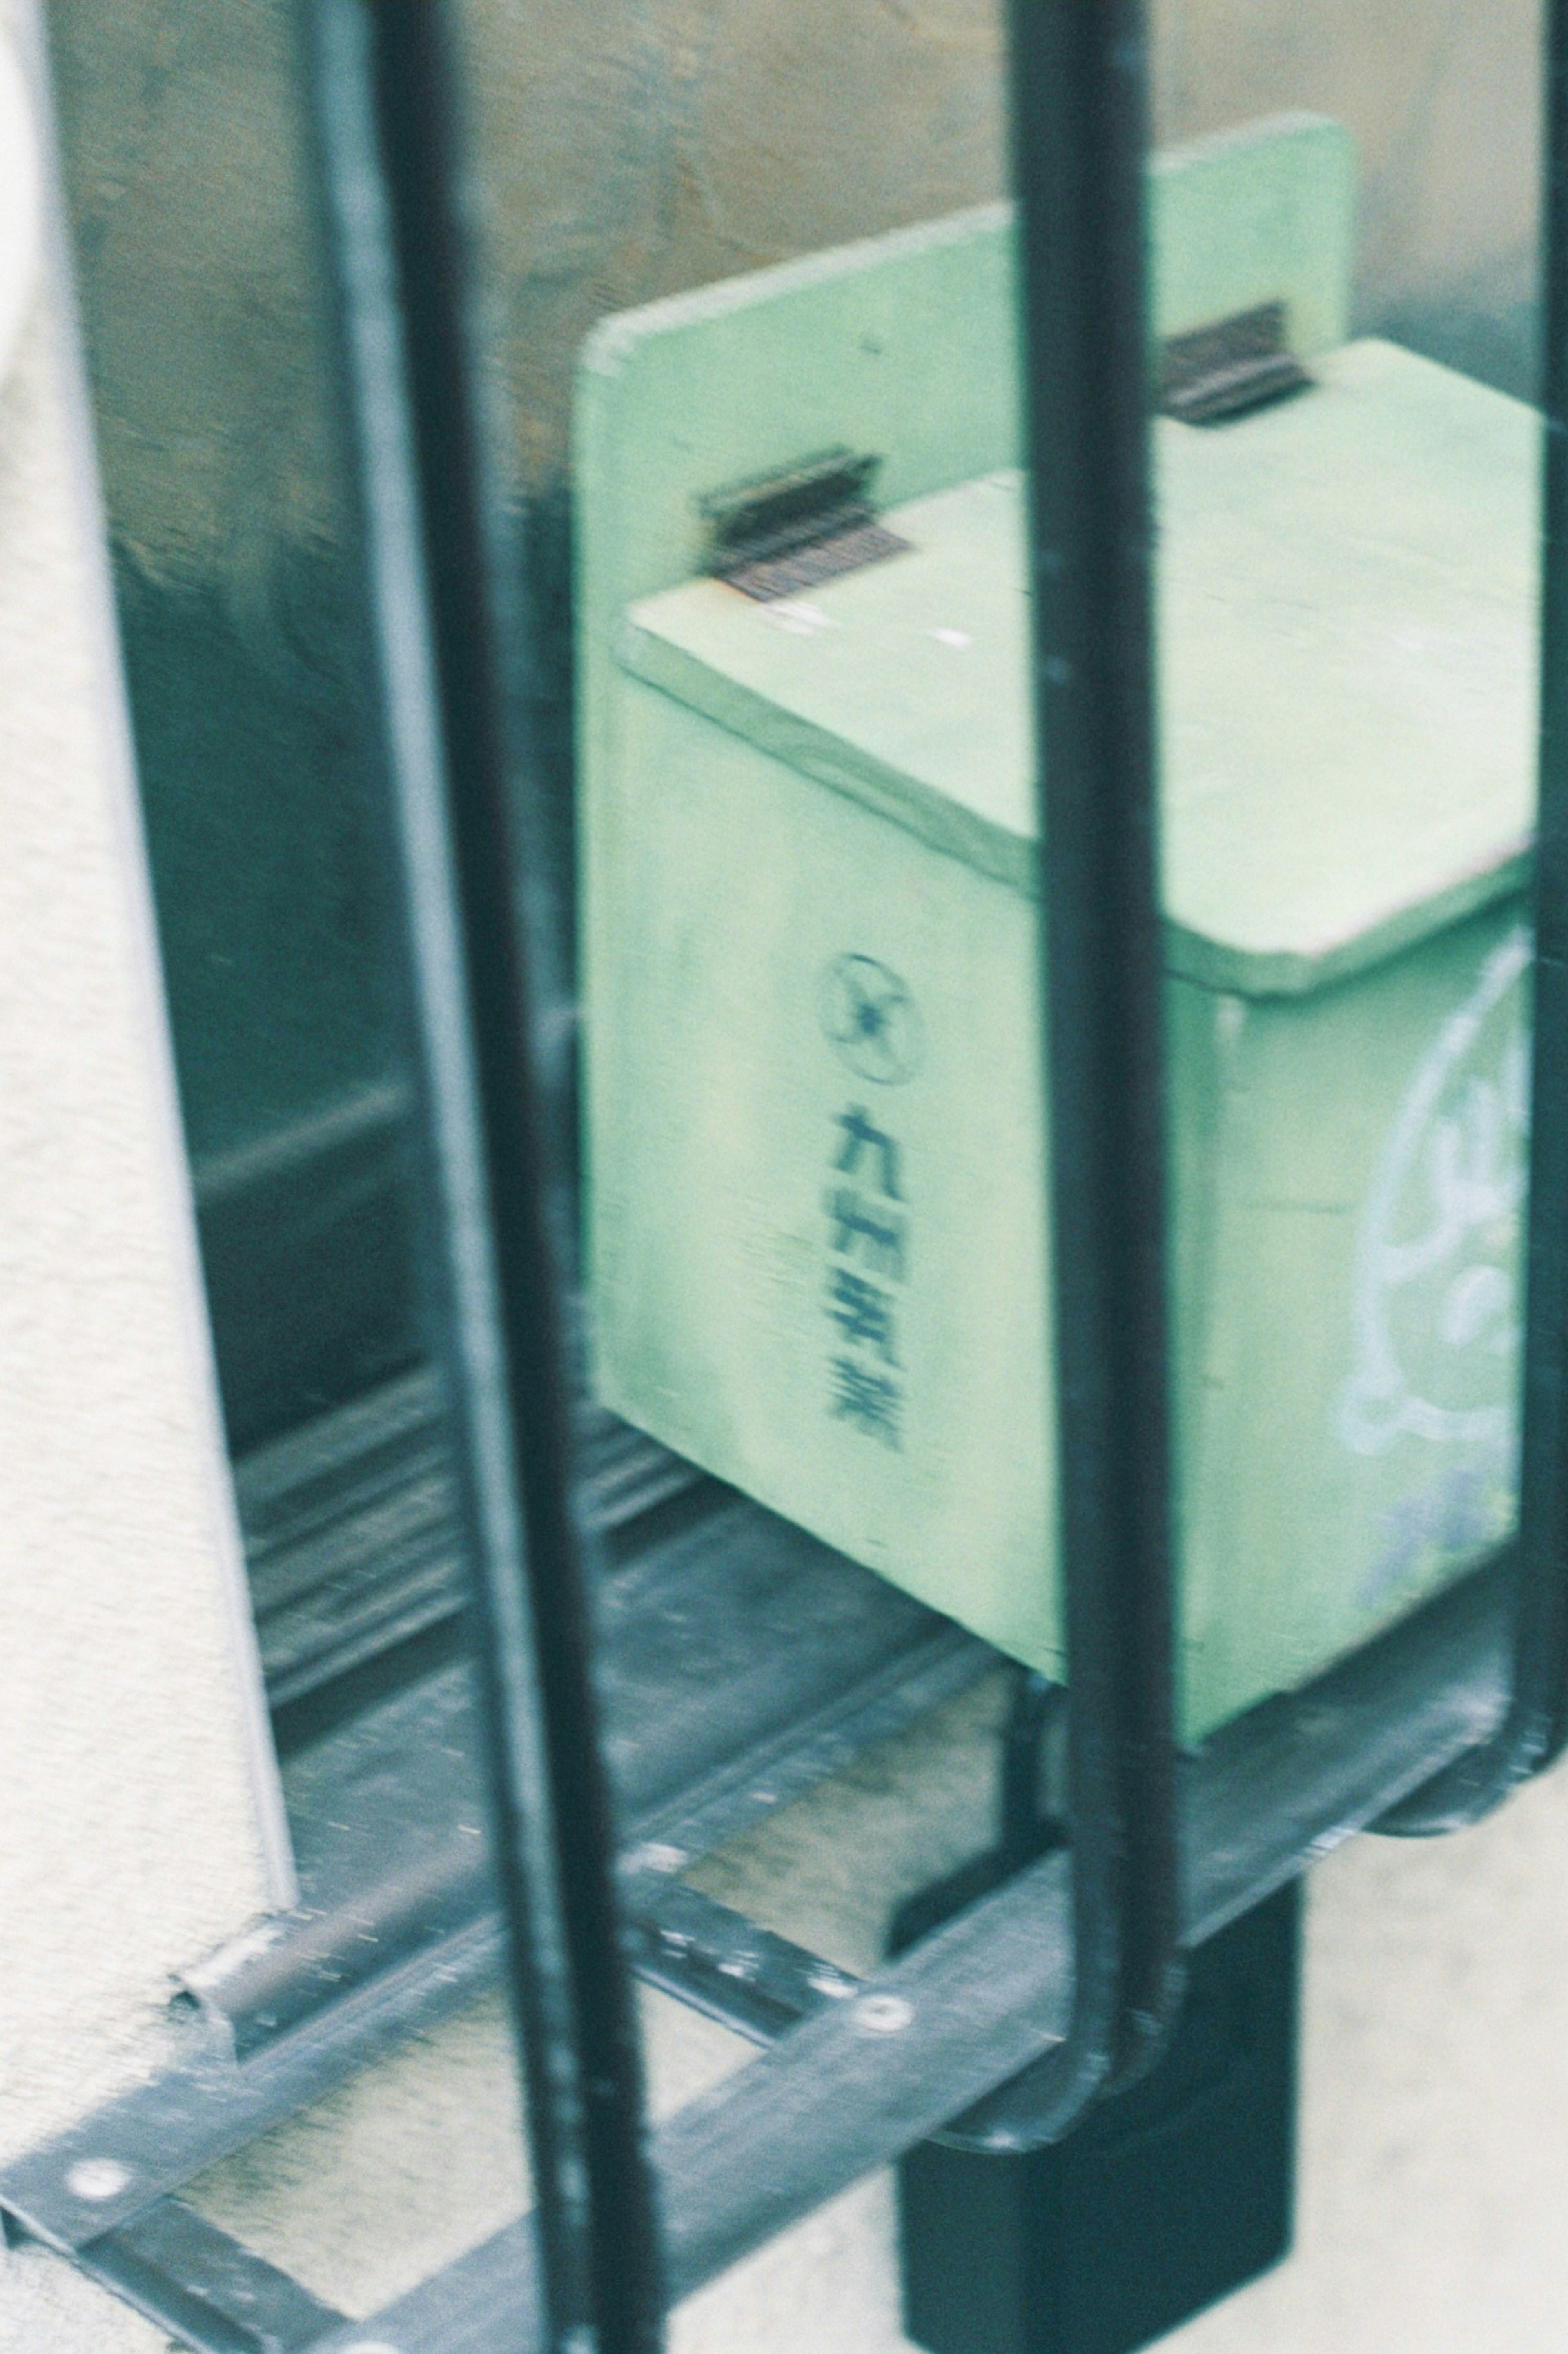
[[816, 1145]]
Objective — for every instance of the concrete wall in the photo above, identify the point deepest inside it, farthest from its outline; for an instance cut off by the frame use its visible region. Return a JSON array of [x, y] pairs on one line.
[[131, 1835], [628, 149]]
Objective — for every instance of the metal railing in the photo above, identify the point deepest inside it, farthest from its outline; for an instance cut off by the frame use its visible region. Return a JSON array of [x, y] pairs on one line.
[[1058, 1985]]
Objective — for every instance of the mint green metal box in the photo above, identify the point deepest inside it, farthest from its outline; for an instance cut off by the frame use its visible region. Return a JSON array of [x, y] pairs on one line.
[[817, 1154]]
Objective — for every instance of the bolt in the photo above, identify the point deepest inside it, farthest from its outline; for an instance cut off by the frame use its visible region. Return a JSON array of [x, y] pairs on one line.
[[882, 2014]]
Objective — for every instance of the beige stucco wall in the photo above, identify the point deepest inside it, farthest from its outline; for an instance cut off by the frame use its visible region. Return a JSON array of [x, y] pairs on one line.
[[132, 1834], [628, 149]]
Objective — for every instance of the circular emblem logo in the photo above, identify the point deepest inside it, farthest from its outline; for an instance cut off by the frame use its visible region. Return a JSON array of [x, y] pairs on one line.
[[871, 1020], [1438, 1270]]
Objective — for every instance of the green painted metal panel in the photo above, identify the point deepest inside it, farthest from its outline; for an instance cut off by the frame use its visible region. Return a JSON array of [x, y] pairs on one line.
[[904, 344], [816, 1145], [1261, 214], [1347, 598]]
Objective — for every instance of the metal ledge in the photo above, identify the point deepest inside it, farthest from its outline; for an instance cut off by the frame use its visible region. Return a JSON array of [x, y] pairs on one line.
[[862, 2073], [741, 1662], [202, 2286], [814, 1659], [351, 1525]]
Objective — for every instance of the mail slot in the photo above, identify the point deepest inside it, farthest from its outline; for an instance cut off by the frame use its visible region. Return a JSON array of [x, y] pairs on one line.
[[817, 1147]]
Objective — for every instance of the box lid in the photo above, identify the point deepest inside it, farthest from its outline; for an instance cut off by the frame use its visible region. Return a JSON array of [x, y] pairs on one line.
[[1348, 600]]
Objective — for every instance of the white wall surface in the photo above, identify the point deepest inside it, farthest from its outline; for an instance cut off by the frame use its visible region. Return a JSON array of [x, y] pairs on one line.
[[130, 1835]]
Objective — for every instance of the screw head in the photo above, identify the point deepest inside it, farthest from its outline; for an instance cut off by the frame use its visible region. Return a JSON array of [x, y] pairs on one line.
[[98, 2178], [882, 2014]]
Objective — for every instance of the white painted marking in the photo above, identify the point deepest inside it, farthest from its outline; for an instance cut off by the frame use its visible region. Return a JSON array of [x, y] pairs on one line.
[[98, 2178], [1443, 1208], [883, 2014]]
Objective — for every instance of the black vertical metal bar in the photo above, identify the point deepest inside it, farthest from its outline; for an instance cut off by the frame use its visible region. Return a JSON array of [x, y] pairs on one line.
[[1079, 122], [1541, 1678], [1535, 1728], [384, 82]]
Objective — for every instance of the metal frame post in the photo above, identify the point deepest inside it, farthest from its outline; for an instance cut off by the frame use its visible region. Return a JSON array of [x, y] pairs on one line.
[[1079, 124], [460, 792]]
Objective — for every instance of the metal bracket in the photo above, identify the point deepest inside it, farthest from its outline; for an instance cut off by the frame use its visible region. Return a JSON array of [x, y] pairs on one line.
[[854, 2072], [1229, 368], [204, 2288], [777, 533]]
